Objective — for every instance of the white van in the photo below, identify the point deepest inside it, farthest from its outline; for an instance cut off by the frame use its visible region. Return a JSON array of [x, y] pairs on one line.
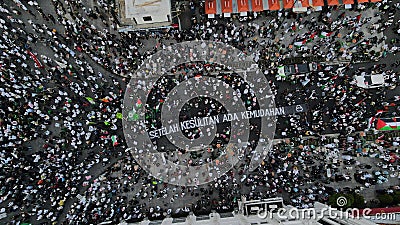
[[370, 81]]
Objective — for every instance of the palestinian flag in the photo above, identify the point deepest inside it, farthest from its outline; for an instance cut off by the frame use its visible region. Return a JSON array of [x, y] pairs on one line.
[[325, 34], [388, 123], [372, 119], [313, 35], [114, 140], [299, 43], [138, 103], [310, 39]]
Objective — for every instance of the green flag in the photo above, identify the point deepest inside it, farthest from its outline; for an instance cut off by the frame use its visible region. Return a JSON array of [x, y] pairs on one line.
[[119, 115], [90, 100], [132, 115]]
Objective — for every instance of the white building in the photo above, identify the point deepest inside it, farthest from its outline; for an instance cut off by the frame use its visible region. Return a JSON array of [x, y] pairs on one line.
[[144, 14]]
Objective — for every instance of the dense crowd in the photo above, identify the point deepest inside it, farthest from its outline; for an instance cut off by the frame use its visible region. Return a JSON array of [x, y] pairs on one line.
[[63, 67]]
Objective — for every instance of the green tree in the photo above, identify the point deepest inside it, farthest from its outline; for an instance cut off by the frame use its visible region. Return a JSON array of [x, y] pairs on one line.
[[396, 198], [385, 200], [332, 200], [374, 203], [359, 201], [350, 200]]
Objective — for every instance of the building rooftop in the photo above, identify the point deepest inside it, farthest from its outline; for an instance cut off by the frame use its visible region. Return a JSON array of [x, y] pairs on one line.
[[142, 14]]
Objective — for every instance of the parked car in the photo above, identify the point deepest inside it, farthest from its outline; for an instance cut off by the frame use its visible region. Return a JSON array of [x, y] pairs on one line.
[[297, 69], [370, 81]]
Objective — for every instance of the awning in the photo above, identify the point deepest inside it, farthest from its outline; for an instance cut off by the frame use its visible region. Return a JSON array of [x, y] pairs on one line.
[[274, 5], [243, 5], [333, 2], [226, 6], [318, 3], [211, 7], [362, 1], [257, 5], [375, 0], [348, 1], [288, 4]]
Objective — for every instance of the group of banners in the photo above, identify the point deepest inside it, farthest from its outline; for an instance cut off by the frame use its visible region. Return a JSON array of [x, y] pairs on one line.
[[241, 6]]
